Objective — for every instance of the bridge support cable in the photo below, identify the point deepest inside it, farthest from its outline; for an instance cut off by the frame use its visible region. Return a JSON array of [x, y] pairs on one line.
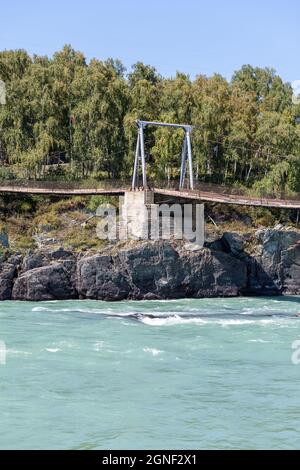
[[183, 164], [139, 159], [186, 157], [143, 161], [136, 164]]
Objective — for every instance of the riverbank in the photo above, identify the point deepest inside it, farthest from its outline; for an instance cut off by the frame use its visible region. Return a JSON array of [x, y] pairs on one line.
[[266, 262]]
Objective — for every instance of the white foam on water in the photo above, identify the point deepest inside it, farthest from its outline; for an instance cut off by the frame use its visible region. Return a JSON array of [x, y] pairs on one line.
[[153, 351], [266, 309], [223, 322], [39, 309], [258, 341], [187, 315], [58, 310], [180, 320], [234, 322], [173, 320], [53, 350], [117, 314], [107, 311]]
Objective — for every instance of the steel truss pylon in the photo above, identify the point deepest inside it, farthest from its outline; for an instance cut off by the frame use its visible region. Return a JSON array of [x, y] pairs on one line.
[[186, 155]]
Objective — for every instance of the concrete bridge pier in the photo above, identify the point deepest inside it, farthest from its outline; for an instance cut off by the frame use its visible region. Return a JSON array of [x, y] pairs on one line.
[[135, 221], [142, 218]]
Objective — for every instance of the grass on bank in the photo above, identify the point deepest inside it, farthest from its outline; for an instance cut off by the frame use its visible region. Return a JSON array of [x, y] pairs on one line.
[[34, 221]]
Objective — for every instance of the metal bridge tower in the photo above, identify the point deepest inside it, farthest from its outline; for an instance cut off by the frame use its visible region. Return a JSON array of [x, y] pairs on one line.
[[186, 155]]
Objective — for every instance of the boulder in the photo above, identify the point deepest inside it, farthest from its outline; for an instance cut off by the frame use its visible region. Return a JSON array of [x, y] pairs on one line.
[[55, 281], [101, 277], [211, 273], [155, 268], [278, 260], [8, 272], [44, 257], [234, 243], [7, 275]]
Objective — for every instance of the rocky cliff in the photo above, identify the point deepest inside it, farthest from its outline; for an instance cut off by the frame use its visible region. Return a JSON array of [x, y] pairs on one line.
[[266, 264]]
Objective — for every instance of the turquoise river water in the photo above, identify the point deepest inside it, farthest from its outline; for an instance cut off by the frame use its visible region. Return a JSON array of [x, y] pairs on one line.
[[184, 374]]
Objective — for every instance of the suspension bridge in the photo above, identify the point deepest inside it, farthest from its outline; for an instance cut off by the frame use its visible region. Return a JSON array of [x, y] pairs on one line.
[[185, 189], [205, 193]]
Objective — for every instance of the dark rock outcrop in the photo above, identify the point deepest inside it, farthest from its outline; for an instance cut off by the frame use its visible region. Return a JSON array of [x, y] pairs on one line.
[[8, 272], [42, 258], [46, 283], [154, 268], [158, 270], [46, 276], [233, 243], [213, 274], [100, 277], [277, 260]]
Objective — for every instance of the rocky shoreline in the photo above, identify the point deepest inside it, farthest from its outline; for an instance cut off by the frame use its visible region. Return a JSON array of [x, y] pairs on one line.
[[267, 263]]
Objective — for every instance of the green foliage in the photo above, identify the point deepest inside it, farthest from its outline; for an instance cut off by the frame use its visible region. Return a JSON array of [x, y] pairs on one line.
[[48, 221], [6, 174], [68, 204], [25, 207], [283, 177], [96, 201], [67, 119], [18, 204], [262, 216], [24, 243]]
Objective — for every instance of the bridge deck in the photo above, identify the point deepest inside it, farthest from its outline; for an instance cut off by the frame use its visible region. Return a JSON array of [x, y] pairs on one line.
[[61, 191], [49, 188], [211, 196]]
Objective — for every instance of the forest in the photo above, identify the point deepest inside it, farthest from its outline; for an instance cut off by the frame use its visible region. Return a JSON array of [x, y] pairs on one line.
[[66, 118]]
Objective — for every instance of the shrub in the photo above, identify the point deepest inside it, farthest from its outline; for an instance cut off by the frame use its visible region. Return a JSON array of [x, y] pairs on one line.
[[96, 201]]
